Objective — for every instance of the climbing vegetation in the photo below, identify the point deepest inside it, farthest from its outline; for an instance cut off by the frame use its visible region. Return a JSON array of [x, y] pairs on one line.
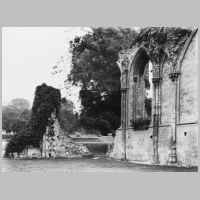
[[141, 124], [47, 100], [162, 40]]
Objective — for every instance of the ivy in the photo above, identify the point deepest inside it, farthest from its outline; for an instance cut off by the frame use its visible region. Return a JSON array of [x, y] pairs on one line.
[[141, 124], [158, 41], [148, 105], [47, 100]]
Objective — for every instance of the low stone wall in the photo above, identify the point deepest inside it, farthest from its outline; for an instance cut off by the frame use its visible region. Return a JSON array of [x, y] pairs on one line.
[[34, 152], [164, 144], [29, 153], [118, 149], [139, 145], [187, 144]]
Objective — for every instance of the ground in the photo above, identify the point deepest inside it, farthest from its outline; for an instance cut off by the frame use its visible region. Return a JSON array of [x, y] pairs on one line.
[[97, 164]]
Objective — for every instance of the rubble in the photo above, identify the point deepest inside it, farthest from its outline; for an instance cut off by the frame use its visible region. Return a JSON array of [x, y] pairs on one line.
[[57, 144]]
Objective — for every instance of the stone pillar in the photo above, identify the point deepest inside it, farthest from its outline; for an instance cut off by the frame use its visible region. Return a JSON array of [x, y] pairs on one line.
[[156, 82], [124, 83], [135, 98], [156, 110], [123, 64], [159, 101], [173, 76]]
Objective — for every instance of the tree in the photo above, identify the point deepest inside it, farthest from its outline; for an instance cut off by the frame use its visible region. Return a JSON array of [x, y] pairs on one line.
[[94, 68], [20, 104], [15, 115], [67, 117]]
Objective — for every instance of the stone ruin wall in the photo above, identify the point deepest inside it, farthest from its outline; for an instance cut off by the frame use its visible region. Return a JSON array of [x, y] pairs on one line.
[[139, 144], [57, 144]]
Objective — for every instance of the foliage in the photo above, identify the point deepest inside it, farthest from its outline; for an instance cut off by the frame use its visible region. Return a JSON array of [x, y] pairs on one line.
[[141, 124], [147, 83], [17, 143], [20, 104], [94, 68], [15, 115], [67, 118], [6, 137], [47, 100], [162, 40], [148, 106]]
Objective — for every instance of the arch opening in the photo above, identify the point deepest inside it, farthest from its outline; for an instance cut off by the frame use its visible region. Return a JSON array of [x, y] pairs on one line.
[[140, 90]]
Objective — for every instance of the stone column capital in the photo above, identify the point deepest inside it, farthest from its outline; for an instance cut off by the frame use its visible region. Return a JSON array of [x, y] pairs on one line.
[[135, 78], [124, 79], [156, 70], [123, 89], [123, 63], [174, 75], [156, 79]]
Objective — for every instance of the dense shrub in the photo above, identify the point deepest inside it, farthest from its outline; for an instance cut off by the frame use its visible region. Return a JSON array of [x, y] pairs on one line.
[[148, 106], [141, 124]]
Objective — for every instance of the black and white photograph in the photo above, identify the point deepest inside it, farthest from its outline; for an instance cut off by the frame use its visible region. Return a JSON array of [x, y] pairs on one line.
[[100, 99]]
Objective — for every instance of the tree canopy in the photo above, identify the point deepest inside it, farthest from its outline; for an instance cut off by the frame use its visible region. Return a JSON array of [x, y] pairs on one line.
[[67, 117], [20, 104], [94, 68], [15, 115]]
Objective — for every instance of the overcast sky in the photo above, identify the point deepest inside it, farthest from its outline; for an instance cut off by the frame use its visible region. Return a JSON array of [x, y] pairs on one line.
[[28, 57]]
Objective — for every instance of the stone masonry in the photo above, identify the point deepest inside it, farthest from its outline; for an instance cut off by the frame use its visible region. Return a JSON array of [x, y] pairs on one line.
[[173, 139], [57, 144]]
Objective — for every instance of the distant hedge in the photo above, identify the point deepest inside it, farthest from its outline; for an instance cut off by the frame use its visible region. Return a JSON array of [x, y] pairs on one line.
[[47, 100]]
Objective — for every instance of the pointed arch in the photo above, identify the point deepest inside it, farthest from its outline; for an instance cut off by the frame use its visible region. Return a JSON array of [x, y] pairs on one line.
[[136, 85]]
